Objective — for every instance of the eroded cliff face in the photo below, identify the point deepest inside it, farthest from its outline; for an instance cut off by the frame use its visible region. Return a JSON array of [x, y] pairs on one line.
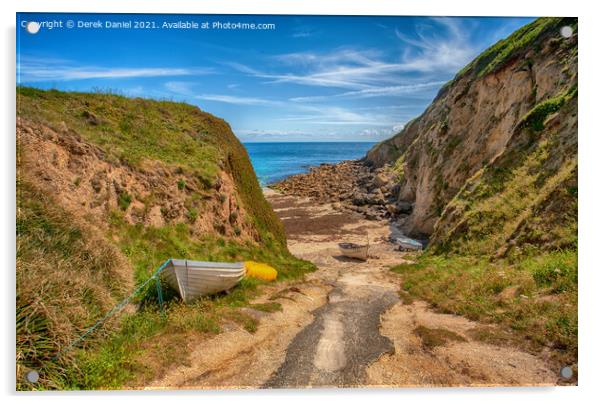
[[84, 181], [524, 87]]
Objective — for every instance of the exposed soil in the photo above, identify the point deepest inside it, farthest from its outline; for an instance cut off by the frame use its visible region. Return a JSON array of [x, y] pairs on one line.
[[86, 182], [346, 325]]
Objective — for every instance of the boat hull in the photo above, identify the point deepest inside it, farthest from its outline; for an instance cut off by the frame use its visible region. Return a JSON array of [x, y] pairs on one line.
[[359, 252], [406, 243], [193, 279]]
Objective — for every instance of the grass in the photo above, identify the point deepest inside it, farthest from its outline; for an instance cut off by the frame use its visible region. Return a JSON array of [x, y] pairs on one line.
[[119, 356], [504, 50], [542, 310], [67, 277], [534, 119], [269, 307], [126, 352], [130, 130], [504, 247]]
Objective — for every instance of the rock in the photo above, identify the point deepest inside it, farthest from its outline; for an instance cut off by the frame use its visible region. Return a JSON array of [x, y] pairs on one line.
[[359, 199], [394, 188], [155, 217], [381, 180], [404, 207], [392, 208], [372, 216]]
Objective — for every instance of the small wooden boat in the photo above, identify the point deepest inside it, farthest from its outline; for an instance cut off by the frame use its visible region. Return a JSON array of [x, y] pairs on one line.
[[193, 279], [406, 243], [352, 250]]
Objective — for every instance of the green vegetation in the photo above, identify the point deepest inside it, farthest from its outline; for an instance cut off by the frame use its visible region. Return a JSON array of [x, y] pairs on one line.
[[124, 200], [504, 50], [535, 118], [56, 299], [192, 214], [148, 247], [535, 296], [131, 130], [525, 200], [71, 272]]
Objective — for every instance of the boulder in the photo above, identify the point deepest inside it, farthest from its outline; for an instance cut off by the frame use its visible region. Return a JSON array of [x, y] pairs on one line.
[[404, 207], [392, 208], [380, 180], [359, 199], [394, 188]]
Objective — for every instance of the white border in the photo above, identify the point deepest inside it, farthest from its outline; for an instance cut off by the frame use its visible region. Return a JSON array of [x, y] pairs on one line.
[[590, 170]]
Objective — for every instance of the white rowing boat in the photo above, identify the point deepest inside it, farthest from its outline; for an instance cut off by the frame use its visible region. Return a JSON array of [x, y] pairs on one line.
[[193, 279], [353, 250], [407, 243]]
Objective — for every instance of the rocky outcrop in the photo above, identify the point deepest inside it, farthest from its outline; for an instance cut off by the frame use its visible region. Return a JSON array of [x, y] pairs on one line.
[[509, 92], [351, 186]]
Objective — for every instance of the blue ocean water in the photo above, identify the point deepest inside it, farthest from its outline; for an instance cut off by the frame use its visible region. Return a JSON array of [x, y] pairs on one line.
[[275, 161]]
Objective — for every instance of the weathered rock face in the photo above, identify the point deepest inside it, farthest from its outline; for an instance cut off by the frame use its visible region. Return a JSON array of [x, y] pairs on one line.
[[473, 120]]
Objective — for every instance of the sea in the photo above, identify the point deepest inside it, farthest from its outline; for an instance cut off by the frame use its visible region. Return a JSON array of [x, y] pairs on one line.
[[275, 161]]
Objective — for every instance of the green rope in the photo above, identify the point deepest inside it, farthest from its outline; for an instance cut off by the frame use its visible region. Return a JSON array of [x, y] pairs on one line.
[[160, 296], [116, 309]]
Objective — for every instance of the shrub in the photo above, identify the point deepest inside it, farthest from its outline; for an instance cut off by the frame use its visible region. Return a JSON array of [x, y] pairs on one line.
[[124, 200]]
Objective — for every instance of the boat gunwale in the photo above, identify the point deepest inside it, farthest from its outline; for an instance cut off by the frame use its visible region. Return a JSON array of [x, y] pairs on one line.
[[183, 263]]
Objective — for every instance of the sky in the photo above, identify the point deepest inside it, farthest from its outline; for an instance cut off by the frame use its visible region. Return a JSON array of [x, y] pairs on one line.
[[298, 78]]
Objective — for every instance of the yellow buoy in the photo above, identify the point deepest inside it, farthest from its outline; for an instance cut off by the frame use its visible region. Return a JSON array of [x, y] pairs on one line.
[[260, 271]]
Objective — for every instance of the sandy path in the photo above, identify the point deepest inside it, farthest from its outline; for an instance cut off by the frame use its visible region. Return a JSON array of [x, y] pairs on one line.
[[344, 325]]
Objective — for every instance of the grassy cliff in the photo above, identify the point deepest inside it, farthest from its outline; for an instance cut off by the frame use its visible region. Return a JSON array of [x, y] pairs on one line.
[[108, 188]]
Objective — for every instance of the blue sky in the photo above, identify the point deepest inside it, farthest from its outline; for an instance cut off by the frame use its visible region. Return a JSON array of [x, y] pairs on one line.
[[311, 78]]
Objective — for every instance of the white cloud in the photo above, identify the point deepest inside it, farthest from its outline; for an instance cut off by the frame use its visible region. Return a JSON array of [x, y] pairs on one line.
[[231, 99], [332, 115], [385, 91], [180, 87], [38, 69], [436, 49], [440, 47]]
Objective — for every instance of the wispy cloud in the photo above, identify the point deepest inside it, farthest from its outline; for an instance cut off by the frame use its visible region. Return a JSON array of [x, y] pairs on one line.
[[296, 135], [231, 99], [437, 49], [180, 87], [333, 115], [31, 69], [385, 91]]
